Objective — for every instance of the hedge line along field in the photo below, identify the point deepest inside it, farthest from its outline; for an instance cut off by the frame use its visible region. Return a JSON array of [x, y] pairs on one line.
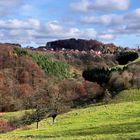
[[114, 121]]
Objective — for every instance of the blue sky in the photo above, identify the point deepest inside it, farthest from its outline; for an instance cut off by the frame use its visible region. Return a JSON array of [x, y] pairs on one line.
[[39, 21]]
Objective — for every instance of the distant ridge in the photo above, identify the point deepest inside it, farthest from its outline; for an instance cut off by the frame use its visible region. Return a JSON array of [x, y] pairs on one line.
[[10, 44], [81, 44]]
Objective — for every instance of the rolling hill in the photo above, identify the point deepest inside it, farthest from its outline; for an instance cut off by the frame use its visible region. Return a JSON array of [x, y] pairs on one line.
[[117, 120]]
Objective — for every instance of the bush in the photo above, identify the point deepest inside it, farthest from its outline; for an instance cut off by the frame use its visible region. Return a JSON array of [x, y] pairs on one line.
[[20, 51], [28, 118], [124, 57], [135, 69], [127, 96], [120, 81], [101, 76], [5, 126]]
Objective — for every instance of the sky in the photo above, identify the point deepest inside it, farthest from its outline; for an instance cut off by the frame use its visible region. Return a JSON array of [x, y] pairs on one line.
[[35, 22]]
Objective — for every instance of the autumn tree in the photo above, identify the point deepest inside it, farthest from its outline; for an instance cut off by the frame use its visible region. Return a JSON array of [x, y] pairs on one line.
[[47, 101]]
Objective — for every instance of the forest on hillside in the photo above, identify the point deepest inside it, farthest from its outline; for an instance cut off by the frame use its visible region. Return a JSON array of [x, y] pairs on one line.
[[54, 83]]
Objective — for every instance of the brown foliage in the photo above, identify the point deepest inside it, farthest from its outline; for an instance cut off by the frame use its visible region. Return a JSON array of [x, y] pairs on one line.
[[5, 126], [24, 77], [25, 90], [19, 78], [92, 89], [74, 90], [120, 80], [1, 80]]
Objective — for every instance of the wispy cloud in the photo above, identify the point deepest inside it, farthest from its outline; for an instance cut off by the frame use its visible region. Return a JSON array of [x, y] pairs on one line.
[[125, 23], [8, 7], [33, 30], [24, 21], [99, 5]]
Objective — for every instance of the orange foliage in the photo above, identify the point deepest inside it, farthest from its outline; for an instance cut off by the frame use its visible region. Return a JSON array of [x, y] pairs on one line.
[[24, 77], [82, 90], [93, 86], [25, 90], [1, 80], [32, 67], [5, 126]]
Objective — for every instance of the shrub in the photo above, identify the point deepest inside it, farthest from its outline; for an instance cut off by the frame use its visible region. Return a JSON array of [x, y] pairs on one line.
[[28, 118], [20, 51], [5, 126], [101, 76], [120, 81], [135, 69], [124, 57]]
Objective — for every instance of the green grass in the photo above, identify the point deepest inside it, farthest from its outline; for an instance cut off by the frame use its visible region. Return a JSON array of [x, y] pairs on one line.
[[115, 121], [11, 115], [127, 96]]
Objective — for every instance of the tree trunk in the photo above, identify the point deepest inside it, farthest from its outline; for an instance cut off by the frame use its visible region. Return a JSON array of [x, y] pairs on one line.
[[37, 123]]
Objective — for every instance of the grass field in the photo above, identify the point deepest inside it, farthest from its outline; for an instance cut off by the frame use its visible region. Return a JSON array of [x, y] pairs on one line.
[[119, 120], [127, 96]]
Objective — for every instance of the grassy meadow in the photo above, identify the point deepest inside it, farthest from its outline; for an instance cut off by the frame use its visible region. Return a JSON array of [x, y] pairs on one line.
[[118, 120]]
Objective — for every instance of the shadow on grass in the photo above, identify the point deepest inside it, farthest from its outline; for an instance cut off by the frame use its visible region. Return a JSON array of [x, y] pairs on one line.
[[120, 129], [38, 136]]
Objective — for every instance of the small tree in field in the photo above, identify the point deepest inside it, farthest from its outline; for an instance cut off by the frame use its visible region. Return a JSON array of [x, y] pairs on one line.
[[38, 103], [47, 102], [57, 102]]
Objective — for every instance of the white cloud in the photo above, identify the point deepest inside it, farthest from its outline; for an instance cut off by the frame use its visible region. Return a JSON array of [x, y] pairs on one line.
[[99, 5], [133, 16], [34, 30], [54, 26], [81, 6], [20, 24], [117, 24], [109, 5], [55, 30], [106, 36], [106, 20], [25, 31], [9, 6], [89, 33]]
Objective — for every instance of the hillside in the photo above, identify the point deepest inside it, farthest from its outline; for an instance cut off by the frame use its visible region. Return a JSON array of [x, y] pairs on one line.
[[69, 70], [54, 84], [20, 76], [131, 95], [25, 73], [114, 121]]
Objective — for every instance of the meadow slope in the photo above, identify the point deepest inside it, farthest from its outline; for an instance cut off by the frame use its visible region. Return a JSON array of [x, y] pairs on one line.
[[115, 121]]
